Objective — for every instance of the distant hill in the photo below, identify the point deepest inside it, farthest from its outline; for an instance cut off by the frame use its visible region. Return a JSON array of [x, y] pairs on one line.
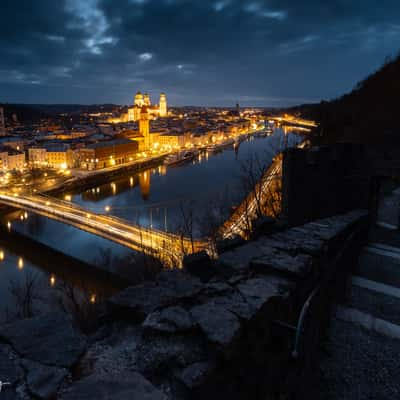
[[33, 113], [24, 113], [56, 109], [368, 114]]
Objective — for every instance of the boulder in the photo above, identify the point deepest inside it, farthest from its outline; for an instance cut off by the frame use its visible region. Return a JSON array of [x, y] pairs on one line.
[[9, 370], [294, 241], [49, 339], [259, 291], [170, 287], [297, 267], [196, 374], [239, 258], [141, 300], [219, 325], [170, 319], [43, 381], [163, 352], [132, 386], [180, 283]]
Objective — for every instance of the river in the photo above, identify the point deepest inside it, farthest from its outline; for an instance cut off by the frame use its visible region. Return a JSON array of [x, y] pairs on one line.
[[157, 197]]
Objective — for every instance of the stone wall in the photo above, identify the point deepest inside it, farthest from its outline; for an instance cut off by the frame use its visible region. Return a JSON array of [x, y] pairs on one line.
[[227, 335], [323, 181]]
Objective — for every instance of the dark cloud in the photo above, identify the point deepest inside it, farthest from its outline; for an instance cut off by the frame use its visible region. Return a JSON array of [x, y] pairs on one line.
[[265, 52]]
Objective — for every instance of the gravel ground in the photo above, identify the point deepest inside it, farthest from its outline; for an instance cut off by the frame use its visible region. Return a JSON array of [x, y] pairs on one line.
[[358, 365]]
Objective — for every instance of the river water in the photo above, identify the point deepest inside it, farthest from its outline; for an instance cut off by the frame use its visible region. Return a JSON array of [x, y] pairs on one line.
[[157, 197]]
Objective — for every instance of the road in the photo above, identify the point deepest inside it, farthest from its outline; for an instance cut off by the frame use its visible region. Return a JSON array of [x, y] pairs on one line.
[[167, 246]]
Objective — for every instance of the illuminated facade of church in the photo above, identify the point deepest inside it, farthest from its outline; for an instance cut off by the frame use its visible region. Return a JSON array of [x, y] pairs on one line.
[[139, 101]]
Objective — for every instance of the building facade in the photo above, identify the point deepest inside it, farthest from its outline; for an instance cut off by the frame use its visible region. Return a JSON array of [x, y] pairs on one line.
[[140, 100], [37, 156], [107, 154]]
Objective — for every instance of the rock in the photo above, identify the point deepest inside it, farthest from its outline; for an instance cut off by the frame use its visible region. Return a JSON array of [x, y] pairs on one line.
[[228, 244], [219, 325], [132, 386], [199, 265], [196, 374], [258, 291], [8, 393], [180, 283], [282, 263], [171, 320], [158, 353], [9, 370], [294, 241], [141, 300], [43, 381], [50, 339], [239, 258], [170, 287], [235, 303]]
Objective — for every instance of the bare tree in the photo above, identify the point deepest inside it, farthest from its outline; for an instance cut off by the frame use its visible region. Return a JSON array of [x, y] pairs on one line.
[[83, 305], [186, 226], [25, 295]]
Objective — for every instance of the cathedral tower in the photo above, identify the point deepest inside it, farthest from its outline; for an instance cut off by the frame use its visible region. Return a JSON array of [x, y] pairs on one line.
[[146, 100], [163, 105], [139, 101], [144, 126]]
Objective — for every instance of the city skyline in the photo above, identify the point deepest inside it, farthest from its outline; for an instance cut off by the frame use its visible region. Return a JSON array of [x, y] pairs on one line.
[[212, 53]]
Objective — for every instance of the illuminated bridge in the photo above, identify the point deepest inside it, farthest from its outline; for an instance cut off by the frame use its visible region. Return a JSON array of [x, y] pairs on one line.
[[239, 221], [169, 247]]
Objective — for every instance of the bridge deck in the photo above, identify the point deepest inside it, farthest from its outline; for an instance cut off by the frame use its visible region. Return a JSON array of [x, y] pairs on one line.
[[168, 246]]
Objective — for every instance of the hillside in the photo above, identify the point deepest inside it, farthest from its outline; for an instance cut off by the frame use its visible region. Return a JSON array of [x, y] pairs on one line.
[[368, 114]]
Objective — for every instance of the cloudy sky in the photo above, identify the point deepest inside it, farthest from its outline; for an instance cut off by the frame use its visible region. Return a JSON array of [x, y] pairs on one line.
[[200, 52]]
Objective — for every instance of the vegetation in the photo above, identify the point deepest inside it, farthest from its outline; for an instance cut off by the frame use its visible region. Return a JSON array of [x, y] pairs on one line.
[[368, 114]]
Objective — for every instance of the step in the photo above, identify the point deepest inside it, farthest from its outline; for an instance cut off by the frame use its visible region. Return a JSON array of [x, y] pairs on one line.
[[368, 322], [379, 300], [381, 263], [386, 225]]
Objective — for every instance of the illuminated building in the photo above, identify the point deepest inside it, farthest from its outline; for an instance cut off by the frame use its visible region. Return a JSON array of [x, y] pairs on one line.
[[146, 100], [174, 140], [144, 127], [59, 156], [37, 156], [107, 154], [140, 100], [2, 123], [16, 160], [11, 159], [163, 105]]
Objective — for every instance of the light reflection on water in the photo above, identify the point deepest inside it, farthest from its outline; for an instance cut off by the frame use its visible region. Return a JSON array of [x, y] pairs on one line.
[[151, 198]]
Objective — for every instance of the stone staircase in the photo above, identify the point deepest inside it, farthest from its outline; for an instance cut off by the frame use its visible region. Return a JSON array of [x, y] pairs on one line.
[[361, 358], [374, 291]]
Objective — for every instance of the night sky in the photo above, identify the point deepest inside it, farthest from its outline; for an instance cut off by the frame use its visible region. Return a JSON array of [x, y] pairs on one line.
[[200, 52]]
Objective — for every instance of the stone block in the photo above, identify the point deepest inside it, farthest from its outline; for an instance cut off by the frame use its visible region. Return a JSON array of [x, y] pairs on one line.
[[49, 339]]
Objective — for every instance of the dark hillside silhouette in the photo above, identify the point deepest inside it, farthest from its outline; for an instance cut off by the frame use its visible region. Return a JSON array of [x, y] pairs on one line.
[[368, 114]]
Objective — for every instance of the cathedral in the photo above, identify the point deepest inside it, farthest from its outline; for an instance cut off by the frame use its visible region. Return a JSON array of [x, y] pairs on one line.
[[140, 101], [154, 111]]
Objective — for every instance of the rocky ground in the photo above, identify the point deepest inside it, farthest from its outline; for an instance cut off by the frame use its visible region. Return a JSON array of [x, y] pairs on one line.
[[178, 337]]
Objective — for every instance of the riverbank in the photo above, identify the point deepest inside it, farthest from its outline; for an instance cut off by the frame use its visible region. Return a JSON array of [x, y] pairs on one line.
[[69, 269], [103, 176]]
